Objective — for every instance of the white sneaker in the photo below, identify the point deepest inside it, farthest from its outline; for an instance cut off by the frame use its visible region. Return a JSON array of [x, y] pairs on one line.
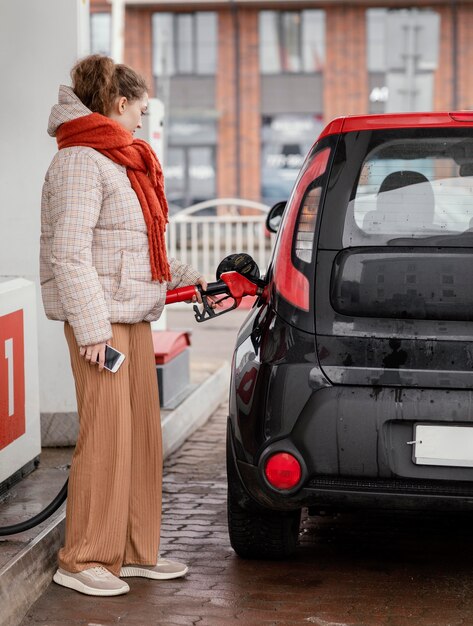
[[95, 581], [163, 570]]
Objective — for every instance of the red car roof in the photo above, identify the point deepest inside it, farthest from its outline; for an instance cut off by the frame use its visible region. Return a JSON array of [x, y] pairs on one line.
[[397, 120]]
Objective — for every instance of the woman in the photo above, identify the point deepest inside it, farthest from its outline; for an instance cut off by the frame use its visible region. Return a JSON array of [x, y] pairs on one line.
[[104, 272]]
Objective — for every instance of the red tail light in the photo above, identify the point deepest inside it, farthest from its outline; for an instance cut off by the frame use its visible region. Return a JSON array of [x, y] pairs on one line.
[[289, 281], [283, 470]]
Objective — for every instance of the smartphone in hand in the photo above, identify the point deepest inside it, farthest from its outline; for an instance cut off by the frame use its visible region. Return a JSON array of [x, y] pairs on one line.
[[113, 359]]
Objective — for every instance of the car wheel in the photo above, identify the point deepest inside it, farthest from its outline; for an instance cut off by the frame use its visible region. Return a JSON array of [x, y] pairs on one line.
[[256, 532]]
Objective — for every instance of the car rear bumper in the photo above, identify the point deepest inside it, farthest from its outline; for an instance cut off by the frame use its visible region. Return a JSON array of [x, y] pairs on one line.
[[338, 494]]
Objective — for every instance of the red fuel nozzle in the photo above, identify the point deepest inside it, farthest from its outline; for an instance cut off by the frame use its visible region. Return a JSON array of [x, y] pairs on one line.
[[239, 285], [231, 284]]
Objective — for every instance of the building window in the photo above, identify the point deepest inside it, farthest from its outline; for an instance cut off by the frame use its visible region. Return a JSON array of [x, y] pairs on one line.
[[190, 175], [375, 31], [100, 33], [206, 36], [292, 41], [402, 57], [285, 141], [190, 165], [184, 43]]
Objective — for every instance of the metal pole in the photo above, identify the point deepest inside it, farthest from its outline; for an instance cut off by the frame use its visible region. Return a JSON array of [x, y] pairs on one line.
[[118, 30]]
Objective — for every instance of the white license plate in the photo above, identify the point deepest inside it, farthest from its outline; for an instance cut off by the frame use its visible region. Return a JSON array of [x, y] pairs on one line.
[[443, 445]]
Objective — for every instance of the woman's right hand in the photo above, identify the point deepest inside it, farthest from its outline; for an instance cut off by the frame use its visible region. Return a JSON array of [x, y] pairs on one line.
[[210, 299], [95, 354]]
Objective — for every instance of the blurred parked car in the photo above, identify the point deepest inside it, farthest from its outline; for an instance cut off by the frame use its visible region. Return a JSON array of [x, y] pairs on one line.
[[353, 374]]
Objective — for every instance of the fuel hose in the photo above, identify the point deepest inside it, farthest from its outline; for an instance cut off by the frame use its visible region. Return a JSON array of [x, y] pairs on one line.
[[39, 517]]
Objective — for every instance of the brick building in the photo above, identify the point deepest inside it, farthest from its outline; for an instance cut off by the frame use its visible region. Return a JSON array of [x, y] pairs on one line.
[[248, 83]]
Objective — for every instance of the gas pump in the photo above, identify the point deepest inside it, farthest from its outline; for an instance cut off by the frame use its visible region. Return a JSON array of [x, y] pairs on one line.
[[20, 438]]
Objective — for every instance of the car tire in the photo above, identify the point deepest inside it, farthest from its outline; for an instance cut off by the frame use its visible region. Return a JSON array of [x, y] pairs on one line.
[[256, 532]]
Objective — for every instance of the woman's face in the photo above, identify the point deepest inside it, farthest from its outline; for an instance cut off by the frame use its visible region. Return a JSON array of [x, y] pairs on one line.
[[128, 113]]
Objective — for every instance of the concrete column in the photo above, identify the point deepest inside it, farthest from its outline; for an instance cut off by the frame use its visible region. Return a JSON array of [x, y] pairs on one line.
[[39, 43]]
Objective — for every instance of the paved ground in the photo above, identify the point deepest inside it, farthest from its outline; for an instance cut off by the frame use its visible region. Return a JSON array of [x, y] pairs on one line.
[[368, 569]]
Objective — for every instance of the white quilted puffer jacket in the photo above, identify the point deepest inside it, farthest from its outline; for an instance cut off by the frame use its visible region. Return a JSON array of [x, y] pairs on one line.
[[94, 259]]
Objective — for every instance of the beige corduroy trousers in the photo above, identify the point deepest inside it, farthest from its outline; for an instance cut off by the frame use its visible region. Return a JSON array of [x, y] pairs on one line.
[[113, 513]]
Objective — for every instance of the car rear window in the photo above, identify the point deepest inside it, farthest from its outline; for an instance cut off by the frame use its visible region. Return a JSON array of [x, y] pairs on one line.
[[408, 185]]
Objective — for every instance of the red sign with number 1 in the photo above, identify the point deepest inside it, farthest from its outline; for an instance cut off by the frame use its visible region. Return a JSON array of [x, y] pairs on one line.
[[12, 378]]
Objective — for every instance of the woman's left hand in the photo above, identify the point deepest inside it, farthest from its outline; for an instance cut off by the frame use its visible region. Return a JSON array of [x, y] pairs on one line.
[[94, 354]]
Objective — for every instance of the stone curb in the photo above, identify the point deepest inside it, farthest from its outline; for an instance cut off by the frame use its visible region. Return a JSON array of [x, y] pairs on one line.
[[25, 577]]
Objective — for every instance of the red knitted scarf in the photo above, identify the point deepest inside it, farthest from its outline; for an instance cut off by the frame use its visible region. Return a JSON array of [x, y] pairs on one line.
[[142, 167]]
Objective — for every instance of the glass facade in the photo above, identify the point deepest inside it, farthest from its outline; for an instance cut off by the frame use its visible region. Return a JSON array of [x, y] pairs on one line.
[[190, 167], [100, 33], [184, 43], [184, 49], [285, 141], [376, 34], [291, 41], [206, 37], [402, 57], [190, 175]]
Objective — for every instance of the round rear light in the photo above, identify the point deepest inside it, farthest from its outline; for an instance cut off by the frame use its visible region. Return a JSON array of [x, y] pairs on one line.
[[283, 470]]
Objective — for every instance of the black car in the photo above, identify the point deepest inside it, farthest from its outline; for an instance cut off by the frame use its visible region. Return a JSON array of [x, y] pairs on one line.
[[352, 376]]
